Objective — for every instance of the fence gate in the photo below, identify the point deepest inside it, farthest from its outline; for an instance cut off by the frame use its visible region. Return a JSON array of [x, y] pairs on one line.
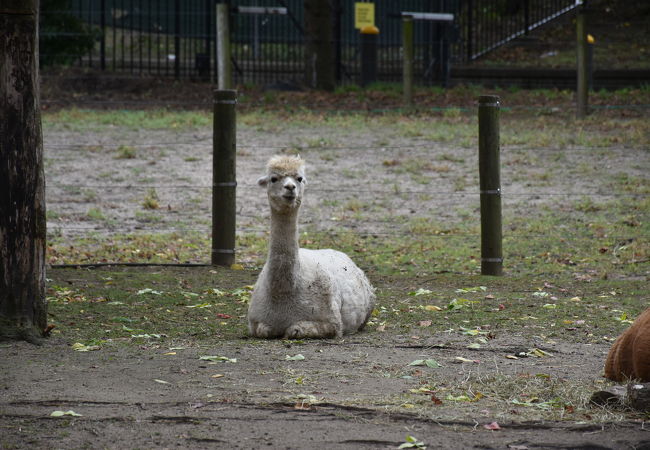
[[433, 33], [267, 46]]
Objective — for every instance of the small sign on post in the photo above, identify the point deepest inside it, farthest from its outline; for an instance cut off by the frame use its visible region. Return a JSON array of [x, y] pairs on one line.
[[364, 15]]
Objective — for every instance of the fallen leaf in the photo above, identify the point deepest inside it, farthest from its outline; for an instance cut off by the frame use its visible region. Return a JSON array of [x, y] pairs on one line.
[[169, 353], [65, 413], [492, 426], [298, 357], [424, 323], [218, 358], [421, 291], [412, 442], [432, 308], [161, 381], [79, 347], [462, 360], [425, 362], [148, 291], [511, 357], [148, 336], [224, 316], [217, 375], [200, 305], [236, 267], [538, 353]]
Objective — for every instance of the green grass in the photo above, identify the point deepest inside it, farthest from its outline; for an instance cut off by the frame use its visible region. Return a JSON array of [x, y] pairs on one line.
[[88, 119]]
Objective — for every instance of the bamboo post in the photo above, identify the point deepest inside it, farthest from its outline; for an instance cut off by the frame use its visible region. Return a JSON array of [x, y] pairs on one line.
[[582, 91], [490, 185], [407, 38], [224, 73], [224, 178]]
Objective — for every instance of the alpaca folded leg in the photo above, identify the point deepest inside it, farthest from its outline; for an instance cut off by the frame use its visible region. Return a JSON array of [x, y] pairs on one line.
[[306, 329], [260, 330]]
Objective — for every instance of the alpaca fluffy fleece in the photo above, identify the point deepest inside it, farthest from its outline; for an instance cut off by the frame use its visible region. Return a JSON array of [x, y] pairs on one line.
[[303, 293], [629, 357], [285, 165]]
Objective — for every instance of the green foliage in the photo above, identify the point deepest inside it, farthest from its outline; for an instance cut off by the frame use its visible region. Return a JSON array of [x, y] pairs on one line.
[[63, 36]]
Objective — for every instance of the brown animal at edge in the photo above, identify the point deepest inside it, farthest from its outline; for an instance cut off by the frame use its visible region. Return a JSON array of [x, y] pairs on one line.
[[629, 357]]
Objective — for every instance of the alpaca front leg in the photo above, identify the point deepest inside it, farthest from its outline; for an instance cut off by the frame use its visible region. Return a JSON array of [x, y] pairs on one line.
[[260, 330], [306, 329]]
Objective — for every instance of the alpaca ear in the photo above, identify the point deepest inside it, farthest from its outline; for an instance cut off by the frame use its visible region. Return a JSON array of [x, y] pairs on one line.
[[262, 181]]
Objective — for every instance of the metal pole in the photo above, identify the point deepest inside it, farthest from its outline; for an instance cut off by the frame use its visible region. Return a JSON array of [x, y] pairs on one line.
[[582, 91], [177, 39], [407, 38], [490, 185], [224, 74], [224, 178]]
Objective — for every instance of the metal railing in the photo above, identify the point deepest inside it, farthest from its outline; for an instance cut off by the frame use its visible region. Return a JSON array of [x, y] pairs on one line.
[[177, 38]]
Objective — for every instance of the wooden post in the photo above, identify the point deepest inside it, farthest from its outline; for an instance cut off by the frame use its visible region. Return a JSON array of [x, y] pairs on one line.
[[320, 70], [490, 185], [407, 39], [23, 309], [369, 40], [582, 90], [224, 178], [224, 72]]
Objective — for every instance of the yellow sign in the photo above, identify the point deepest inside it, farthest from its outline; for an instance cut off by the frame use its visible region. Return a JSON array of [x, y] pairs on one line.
[[364, 15]]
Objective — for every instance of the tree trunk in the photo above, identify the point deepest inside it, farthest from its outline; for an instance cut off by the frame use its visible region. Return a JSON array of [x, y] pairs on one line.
[[320, 70], [23, 309]]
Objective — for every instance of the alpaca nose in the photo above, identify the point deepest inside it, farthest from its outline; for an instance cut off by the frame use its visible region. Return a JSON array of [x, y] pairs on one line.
[[290, 186]]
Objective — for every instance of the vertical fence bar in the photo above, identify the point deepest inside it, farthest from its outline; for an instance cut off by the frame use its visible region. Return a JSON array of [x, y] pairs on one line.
[[102, 42], [206, 37], [224, 74], [469, 24], [131, 30], [177, 39], [407, 42], [582, 89], [224, 177], [490, 185]]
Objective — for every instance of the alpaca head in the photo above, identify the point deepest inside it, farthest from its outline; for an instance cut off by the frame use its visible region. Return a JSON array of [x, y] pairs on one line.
[[285, 181]]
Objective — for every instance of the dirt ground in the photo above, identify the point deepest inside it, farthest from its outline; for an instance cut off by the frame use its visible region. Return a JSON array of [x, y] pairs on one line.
[[165, 396], [147, 398]]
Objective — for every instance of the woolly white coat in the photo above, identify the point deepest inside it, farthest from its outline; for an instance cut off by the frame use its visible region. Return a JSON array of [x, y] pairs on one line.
[[303, 293]]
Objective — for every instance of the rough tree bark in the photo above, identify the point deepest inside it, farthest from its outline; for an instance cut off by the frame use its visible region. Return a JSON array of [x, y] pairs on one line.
[[320, 67], [23, 309]]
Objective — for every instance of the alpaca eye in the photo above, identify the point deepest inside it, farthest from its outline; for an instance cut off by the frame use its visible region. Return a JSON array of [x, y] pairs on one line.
[[299, 179], [274, 179]]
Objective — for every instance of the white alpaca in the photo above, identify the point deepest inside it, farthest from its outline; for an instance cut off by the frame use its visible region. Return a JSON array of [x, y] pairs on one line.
[[303, 293]]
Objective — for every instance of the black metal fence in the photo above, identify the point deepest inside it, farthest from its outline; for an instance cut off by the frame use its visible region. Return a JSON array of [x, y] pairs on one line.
[[177, 38]]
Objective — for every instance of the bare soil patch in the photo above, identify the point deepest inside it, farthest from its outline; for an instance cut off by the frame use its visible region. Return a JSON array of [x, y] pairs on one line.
[[149, 398]]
